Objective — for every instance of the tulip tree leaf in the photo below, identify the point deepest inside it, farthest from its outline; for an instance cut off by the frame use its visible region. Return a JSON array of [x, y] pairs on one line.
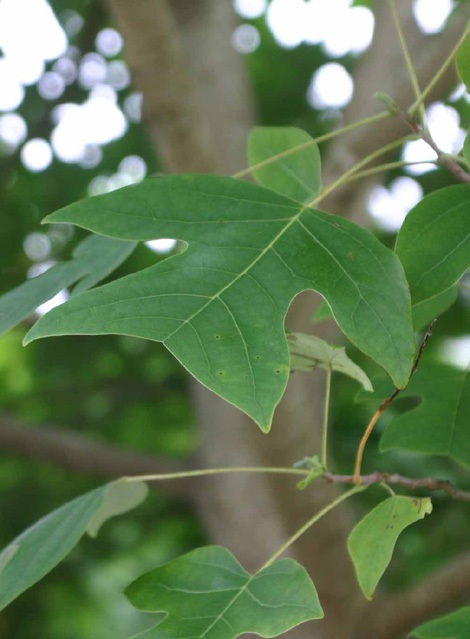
[[219, 306], [440, 424], [297, 175], [309, 351], [92, 260], [207, 593], [434, 242], [456, 625], [463, 62], [422, 313], [373, 539], [37, 550]]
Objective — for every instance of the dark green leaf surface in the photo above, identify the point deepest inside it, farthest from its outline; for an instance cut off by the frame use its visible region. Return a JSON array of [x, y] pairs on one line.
[[424, 312], [440, 425], [434, 242], [93, 259], [373, 539], [456, 625], [207, 594], [309, 351], [219, 307], [466, 148], [297, 175], [40, 548], [463, 62]]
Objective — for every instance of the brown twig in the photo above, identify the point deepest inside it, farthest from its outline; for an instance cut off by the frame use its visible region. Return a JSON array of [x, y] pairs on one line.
[[407, 482], [383, 406]]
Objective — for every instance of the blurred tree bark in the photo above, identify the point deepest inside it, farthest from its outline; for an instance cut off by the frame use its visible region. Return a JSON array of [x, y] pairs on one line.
[[199, 109]]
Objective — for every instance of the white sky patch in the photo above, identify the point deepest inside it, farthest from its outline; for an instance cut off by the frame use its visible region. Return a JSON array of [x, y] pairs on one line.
[[431, 15], [57, 300], [456, 352], [37, 246], [246, 38], [331, 87], [340, 28], [36, 155], [51, 86], [30, 35], [162, 246], [109, 42], [97, 121], [389, 207], [250, 9], [13, 130], [39, 268]]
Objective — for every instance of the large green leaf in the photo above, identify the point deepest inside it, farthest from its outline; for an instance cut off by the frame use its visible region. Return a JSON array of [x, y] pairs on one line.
[[440, 424], [456, 625], [297, 175], [93, 259], [219, 307], [309, 351], [373, 539], [466, 148], [207, 594], [35, 552], [434, 242], [463, 62], [424, 312]]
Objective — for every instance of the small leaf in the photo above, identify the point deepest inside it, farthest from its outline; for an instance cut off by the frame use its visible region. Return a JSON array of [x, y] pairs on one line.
[[208, 591], [120, 497], [297, 175], [434, 242], [463, 62], [309, 351], [456, 625], [373, 539], [424, 312], [37, 550], [93, 259]]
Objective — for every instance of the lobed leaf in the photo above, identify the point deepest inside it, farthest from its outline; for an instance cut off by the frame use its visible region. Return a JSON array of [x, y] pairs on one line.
[[219, 307], [35, 552], [373, 539], [207, 593], [434, 242], [309, 351], [92, 260], [456, 625], [297, 175]]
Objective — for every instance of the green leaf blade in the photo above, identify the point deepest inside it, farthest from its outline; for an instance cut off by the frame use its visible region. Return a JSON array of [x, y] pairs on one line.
[[463, 62], [93, 259], [297, 175], [309, 351], [219, 307], [37, 550], [373, 539], [434, 242], [207, 593], [455, 625]]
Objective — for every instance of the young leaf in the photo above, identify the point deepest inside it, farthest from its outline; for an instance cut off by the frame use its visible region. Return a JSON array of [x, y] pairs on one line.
[[463, 62], [424, 312], [373, 539], [219, 307], [92, 260], [309, 351], [40, 548], [434, 242], [456, 625], [297, 175], [207, 593]]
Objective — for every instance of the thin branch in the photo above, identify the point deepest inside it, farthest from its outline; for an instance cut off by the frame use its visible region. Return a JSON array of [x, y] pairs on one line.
[[186, 474], [410, 483], [385, 404]]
